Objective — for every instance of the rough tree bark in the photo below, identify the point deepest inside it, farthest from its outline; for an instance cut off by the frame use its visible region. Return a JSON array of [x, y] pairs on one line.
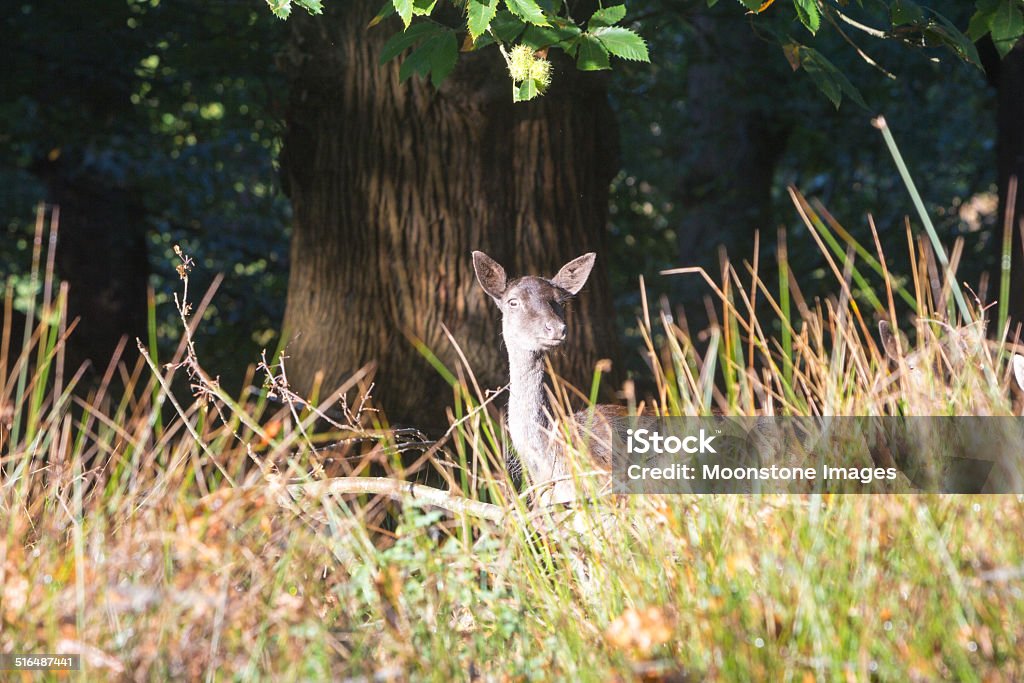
[[393, 185]]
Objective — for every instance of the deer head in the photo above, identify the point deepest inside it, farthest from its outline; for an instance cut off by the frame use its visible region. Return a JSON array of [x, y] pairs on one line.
[[532, 308]]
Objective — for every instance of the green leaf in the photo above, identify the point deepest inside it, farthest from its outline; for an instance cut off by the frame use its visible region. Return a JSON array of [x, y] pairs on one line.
[[404, 9], [527, 10], [905, 12], [1007, 25], [752, 5], [443, 57], [828, 78], [436, 56], [398, 43], [281, 8], [849, 89], [571, 46], [980, 22], [950, 36], [481, 42], [417, 62], [609, 16], [592, 55], [622, 42], [712, 3], [481, 14], [525, 91], [810, 17], [826, 84], [311, 6], [507, 26], [540, 37], [423, 8]]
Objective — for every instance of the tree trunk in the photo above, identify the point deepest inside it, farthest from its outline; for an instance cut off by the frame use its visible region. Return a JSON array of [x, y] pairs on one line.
[[393, 185], [1010, 146]]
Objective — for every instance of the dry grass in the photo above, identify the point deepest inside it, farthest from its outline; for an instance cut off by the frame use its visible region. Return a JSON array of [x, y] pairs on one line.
[[211, 538]]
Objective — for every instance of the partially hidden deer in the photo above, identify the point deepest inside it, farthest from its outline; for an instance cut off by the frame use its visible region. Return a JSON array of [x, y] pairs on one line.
[[533, 324], [940, 360], [925, 378]]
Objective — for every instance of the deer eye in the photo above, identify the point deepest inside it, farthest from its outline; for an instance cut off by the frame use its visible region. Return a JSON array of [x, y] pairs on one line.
[[513, 303]]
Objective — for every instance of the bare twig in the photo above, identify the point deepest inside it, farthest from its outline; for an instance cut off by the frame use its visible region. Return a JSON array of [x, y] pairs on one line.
[[859, 26], [863, 55]]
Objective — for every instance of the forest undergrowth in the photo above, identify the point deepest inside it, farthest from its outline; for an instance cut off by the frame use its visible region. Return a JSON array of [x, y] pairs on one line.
[[164, 528]]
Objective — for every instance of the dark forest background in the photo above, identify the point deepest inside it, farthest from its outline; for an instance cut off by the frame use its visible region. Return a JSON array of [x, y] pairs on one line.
[[341, 203]]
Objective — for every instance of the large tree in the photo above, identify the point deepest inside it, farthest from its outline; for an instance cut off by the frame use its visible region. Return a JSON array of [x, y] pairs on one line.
[[394, 183]]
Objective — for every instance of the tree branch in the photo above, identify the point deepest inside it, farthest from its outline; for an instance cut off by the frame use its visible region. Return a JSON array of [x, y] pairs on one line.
[[398, 490]]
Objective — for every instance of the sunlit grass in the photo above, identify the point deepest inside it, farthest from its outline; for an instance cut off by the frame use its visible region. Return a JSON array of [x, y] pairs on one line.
[[196, 534]]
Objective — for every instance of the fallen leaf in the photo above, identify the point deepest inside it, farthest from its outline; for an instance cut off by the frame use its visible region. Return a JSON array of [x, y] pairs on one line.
[[639, 631]]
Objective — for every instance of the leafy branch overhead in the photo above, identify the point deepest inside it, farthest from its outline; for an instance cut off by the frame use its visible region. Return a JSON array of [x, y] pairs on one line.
[[282, 9], [903, 20], [522, 30], [1003, 20]]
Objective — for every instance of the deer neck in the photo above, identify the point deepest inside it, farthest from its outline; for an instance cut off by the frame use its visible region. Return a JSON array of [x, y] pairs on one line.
[[528, 421]]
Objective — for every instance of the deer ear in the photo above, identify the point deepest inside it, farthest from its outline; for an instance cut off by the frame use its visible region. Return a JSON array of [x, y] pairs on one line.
[[888, 340], [490, 275], [574, 274], [1018, 369]]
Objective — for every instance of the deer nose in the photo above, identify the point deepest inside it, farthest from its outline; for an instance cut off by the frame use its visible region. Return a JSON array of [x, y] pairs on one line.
[[555, 330]]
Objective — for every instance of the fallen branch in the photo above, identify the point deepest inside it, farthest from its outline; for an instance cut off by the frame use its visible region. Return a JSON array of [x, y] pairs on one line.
[[400, 491]]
